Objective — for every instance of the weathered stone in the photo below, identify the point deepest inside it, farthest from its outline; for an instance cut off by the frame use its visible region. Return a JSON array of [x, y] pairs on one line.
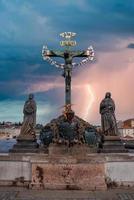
[[120, 172], [113, 144], [67, 172], [24, 146], [70, 176], [76, 151], [11, 170]]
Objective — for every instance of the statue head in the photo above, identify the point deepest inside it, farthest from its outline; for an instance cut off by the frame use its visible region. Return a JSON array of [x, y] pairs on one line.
[[31, 96], [108, 95]]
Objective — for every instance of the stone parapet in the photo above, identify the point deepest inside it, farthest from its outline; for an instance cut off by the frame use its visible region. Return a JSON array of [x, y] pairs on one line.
[[91, 172]]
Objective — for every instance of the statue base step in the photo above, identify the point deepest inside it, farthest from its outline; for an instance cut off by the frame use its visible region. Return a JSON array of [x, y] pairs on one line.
[[76, 150], [113, 144], [25, 146]]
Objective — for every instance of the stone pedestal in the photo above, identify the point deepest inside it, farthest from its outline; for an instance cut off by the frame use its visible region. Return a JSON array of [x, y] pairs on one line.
[[76, 150], [79, 176], [69, 168], [113, 144], [25, 145], [40, 171]]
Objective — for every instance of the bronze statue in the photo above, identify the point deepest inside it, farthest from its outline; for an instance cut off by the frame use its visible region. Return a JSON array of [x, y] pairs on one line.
[[108, 119], [29, 121]]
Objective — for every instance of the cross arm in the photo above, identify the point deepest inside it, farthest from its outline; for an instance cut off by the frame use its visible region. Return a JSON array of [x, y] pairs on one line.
[[81, 53], [52, 53]]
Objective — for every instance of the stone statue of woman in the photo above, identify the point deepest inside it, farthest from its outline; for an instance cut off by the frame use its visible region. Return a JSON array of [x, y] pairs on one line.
[[108, 119], [29, 120]]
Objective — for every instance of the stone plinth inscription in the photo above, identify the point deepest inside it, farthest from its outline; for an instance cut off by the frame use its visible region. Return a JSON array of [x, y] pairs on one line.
[[69, 176]]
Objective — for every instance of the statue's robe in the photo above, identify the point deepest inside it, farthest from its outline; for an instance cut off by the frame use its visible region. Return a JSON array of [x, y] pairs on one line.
[[108, 119], [29, 121]]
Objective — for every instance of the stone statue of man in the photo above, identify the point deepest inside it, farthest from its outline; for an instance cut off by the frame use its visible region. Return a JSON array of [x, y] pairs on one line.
[[29, 121], [108, 119]]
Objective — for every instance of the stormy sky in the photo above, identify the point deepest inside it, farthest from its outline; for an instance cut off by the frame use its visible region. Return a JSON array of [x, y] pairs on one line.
[[25, 26]]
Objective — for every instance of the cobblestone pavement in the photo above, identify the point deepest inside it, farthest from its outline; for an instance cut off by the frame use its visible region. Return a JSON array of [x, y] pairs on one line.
[[126, 196], [11, 193], [8, 195]]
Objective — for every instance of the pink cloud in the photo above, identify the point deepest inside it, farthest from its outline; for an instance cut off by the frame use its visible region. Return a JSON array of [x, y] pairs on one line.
[[114, 73], [45, 84]]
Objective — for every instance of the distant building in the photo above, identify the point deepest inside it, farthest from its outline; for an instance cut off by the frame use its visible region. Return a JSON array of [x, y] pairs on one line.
[[124, 132], [8, 123], [129, 123], [9, 131], [127, 129]]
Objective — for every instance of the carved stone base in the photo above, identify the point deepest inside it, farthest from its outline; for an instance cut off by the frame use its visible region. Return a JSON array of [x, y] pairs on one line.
[[65, 174], [113, 144], [25, 146]]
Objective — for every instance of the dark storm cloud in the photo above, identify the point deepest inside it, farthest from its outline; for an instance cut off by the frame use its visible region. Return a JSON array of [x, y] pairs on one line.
[[131, 46], [21, 61], [27, 25], [18, 65], [26, 22], [98, 17]]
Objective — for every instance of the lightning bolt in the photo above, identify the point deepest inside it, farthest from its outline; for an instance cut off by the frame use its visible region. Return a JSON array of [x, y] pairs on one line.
[[90, 101]]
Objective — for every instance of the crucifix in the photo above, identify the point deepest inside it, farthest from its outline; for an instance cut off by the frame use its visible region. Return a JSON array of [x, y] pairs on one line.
[[67, 54]]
